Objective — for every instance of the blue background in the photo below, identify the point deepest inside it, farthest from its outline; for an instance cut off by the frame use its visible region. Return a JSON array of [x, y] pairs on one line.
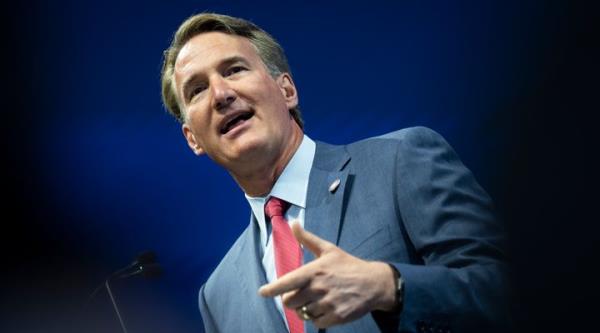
[[96, 171]]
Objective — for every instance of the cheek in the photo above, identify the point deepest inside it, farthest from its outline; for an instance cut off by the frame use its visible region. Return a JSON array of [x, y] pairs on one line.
[[198, 117], [264, 88], [200, 130]]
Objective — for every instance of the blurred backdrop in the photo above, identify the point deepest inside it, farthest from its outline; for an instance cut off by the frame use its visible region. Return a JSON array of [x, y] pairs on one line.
[[94, 171]]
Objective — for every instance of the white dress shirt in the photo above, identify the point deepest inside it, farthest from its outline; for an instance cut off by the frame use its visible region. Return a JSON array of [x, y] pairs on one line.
[[291, 186]]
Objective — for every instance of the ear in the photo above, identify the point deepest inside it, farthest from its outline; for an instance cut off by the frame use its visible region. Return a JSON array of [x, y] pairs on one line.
[[191, 139], [288, 89]]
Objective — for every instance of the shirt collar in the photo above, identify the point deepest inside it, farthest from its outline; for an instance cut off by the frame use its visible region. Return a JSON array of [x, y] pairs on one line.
[[291, 185]]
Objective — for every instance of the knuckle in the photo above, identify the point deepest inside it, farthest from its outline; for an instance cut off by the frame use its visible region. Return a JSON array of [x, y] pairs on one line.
[[320, 323], [328, 305], [337, 316], [319, 274], [319, 288], [341, 314], [319, 291]]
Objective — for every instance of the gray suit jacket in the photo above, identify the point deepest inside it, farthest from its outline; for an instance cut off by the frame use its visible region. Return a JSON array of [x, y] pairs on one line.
[[406, 199]]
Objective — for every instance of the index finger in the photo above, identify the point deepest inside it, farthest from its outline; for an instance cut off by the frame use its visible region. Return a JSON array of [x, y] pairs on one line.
[[293, 280]]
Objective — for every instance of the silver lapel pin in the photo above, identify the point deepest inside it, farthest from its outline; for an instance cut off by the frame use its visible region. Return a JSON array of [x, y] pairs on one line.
[[334, 185]]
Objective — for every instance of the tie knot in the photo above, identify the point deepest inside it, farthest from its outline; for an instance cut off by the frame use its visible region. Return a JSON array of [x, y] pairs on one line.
[[276, 207]]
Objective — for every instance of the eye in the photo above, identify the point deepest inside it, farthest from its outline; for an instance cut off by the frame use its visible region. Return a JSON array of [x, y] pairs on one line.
[[196, 90], [234, 69]]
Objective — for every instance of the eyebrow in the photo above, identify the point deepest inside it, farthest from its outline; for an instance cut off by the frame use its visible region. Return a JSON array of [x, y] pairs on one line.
[[223, 63]]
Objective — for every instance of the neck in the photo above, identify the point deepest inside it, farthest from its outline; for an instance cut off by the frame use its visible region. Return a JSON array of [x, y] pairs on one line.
[[260, 181]]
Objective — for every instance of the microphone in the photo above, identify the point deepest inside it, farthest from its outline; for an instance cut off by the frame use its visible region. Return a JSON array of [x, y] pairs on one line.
[[150, 270], [145, 264]]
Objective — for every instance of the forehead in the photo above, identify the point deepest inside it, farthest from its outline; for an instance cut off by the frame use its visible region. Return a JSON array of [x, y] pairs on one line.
[[208, 49]]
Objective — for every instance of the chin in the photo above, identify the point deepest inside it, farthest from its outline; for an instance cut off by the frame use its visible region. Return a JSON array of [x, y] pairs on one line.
[[249, 147]]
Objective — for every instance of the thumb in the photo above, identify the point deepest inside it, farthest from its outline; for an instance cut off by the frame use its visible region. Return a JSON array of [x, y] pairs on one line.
[[311, 241]]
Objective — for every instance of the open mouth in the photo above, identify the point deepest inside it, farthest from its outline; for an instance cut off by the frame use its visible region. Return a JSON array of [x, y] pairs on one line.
[[236, 121]]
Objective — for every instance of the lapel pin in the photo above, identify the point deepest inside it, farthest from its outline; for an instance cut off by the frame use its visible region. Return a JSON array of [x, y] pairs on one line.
[[334, 185]]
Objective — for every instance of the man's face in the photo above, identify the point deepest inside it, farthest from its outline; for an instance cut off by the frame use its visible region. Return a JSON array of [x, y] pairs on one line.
[[234, 110]]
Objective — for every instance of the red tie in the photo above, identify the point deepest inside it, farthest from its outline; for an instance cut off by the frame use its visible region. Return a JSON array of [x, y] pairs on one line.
[[288, 254]]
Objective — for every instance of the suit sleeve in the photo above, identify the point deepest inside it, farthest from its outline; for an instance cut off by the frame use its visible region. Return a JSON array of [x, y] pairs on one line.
[[461, 284], [207, 318]]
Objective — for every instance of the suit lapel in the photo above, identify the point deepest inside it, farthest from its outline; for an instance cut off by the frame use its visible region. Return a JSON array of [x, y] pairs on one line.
[[324, 208], [264, 315]]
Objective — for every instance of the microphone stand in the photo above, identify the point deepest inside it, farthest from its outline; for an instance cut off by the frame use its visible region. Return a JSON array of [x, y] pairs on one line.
[[145, 264], [112, 298]]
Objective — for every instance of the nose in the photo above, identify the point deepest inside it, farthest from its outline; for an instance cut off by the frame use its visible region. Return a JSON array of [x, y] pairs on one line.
[[223, 94]]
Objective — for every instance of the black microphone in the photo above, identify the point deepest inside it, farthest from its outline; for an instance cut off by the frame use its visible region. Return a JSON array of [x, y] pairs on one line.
[[145, 264], [150, 270]]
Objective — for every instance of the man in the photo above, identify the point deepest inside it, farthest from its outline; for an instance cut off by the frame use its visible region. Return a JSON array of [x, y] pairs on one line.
[[396, 234]]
